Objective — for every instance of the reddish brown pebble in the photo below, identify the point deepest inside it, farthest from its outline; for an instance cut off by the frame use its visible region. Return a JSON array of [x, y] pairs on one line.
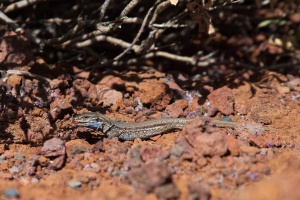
[[233, 145], [148, 176], [150, 152], [222, 99]]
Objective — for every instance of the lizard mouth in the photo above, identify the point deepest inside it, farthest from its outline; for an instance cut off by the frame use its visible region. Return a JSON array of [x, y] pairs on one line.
[[94, 125]]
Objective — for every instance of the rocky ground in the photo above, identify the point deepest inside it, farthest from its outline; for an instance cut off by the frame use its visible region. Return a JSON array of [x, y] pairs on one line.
[[43, 155]]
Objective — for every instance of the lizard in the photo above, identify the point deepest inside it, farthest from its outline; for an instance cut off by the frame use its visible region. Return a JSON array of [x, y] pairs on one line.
[[143, 130]]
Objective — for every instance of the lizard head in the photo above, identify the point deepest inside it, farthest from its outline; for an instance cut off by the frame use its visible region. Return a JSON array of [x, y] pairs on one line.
[[90, 119]]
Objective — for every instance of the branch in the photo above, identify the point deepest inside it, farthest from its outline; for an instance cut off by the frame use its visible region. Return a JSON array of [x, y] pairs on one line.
[[22, 73], [109, 39], [21, 4], [139, 32], [128, 8], [104, 8], [9, 22]]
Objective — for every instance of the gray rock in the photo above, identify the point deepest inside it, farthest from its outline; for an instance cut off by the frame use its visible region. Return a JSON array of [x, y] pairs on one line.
[[75, 184]]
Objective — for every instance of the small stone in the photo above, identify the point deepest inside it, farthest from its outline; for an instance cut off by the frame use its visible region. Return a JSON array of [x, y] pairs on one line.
[[174, 86], [283, 89], [149, 176], [135, 159], [252, 128], [295, 17], [78, 150], [201, 161], [13, 169], [98, 146], [167, 191], [212, 142], [94, 165], [19, 157], [11, 193], [221, 99], [56, 83], [43, 161], [61, 107], [241, 108], [14, 80], [259, 141], [182, 142], [108, 96], [53, 148], [3, 157], [75, 184], [3, 147], [150, 152], [34, 180], [112, 82], [199, 191], [87, 167], [174, 110], [250, 150], [233, 145], [155, 93], [57, 163], [177, 150]]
